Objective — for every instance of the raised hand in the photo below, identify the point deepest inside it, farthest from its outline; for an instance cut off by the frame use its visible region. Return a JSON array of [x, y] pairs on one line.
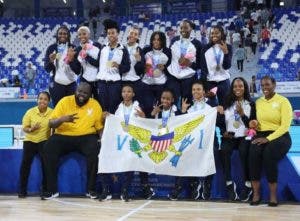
[[224, 47], [156, 109], [137, 55], [184, 105], [52, 56], [239, 108], [71, 53]]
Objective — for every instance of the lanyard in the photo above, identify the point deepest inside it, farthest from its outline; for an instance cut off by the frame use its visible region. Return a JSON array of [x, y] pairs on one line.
[[165, 117], [183, 47], [127, 113], [111, 54], [217, 56], [61, 48], [155, 60]]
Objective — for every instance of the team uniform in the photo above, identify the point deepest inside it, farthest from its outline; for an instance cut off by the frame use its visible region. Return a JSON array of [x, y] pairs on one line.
[[63, 74], [88, 60], [109, 78], [233, 122], [154, 81], [215, 67], [181, 78], [133, 76]]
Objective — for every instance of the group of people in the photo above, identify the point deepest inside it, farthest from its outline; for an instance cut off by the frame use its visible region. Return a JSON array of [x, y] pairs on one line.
[[153, 82]]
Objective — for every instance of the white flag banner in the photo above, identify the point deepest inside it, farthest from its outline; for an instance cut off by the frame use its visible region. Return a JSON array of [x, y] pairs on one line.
[[184, 147]]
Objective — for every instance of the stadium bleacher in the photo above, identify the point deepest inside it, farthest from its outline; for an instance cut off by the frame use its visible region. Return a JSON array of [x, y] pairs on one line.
[[26, 40]]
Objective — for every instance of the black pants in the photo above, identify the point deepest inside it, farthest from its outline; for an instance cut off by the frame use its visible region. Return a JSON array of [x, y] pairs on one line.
[[227, 147], [240, 64], [30, 149], [192, 181], [59, 145], [267, 156], [181, 88], [109, 95], [126, 179], [58, 91], [253, 47]]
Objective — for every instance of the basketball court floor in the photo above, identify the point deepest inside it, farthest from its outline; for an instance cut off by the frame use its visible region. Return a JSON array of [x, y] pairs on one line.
[[73, 209]]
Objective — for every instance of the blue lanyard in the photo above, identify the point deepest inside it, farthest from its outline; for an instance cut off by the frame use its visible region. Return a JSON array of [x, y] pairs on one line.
[[61, 48], [183, 47], [217, 55], [127, 112], [155, 60], [165, 117], [237, 117], [111, 54]]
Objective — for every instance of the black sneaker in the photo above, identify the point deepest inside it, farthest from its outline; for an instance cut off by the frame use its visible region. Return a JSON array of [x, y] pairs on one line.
[[206, 185], [49, 195], [92, 194], [124, 195], [148, 192], [105, 195], [246, 194], [22, 194], [195, 190], [175, 193], [231, 192]]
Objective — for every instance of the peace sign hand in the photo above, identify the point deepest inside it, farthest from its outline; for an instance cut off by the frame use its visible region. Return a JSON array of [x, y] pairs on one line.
[[137, 55], [224, 47], [156, 109], [184, 105]]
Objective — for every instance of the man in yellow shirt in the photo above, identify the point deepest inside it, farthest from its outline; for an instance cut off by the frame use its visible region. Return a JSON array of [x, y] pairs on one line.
[[77, 120]]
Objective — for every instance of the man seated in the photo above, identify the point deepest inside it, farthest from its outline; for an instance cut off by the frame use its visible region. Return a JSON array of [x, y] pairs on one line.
[[77, 120]]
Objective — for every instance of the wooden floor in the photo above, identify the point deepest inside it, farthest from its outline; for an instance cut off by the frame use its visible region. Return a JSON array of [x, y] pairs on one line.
[[73, 209]]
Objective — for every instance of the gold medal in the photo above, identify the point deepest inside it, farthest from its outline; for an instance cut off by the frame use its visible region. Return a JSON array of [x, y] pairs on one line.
[[108, 64], [236, 124], [156, 72], [58, 56]]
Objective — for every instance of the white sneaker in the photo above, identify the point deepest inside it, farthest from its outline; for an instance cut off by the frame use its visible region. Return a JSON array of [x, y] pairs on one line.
[[49, 196]]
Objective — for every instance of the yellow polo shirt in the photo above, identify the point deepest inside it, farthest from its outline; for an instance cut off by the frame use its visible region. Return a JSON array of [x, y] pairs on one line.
[[89, 117], [33, 116], [275, 114]]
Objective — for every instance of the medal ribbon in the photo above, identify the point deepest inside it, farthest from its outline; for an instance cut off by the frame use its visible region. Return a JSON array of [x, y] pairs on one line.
[[183, 47], [217, 56], [111, 54], [127, 113], [165, 117]]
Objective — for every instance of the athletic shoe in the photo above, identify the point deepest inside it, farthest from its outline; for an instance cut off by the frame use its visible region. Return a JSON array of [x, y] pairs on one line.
[[246, 194], [231, 192], [49, 195], [92, 194]]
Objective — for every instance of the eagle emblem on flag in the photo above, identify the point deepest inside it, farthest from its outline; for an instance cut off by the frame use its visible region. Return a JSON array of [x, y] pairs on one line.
[[158, 146]]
